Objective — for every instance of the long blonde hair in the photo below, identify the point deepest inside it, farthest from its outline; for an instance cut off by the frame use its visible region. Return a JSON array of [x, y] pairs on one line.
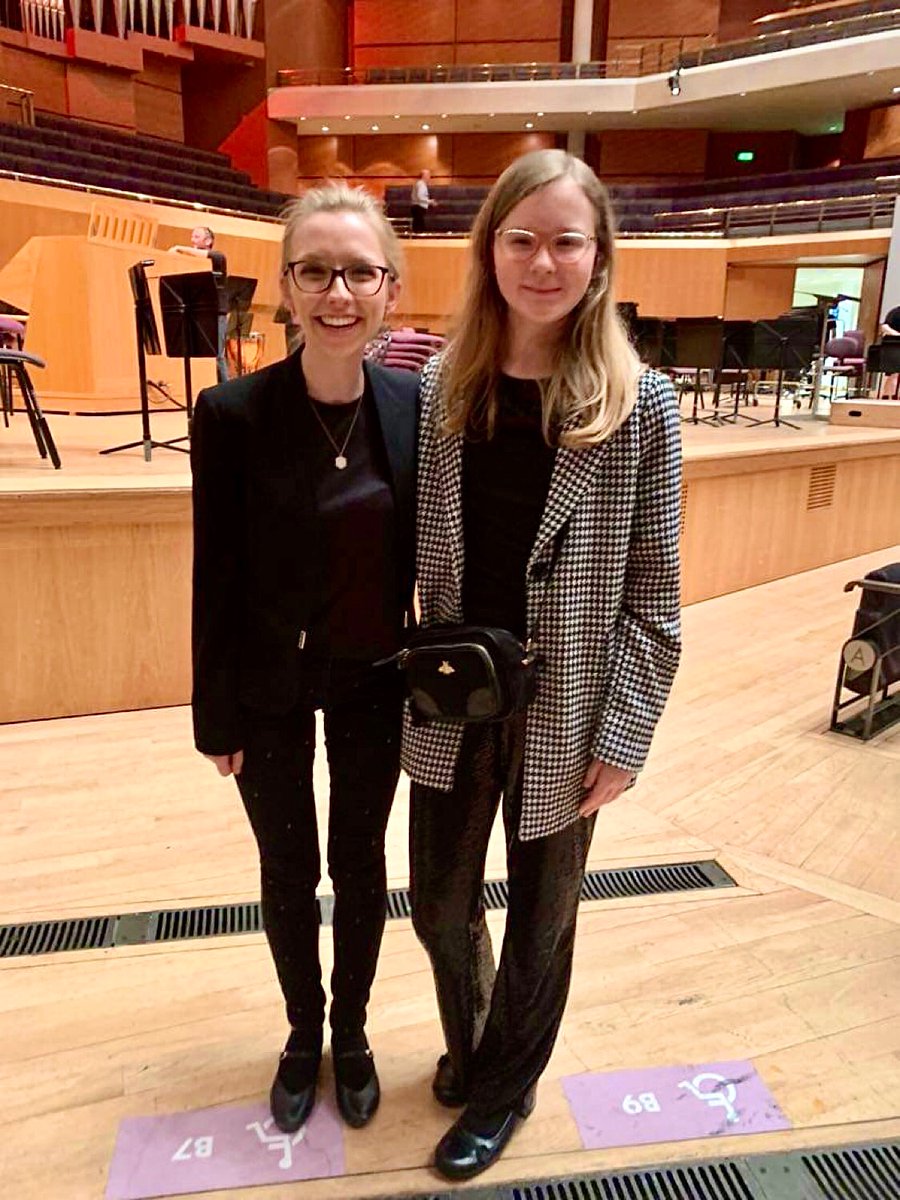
[[593, 386]]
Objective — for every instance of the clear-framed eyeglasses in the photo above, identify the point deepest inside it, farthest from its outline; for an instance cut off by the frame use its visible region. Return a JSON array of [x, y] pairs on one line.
[[567, 247], [360, 279]]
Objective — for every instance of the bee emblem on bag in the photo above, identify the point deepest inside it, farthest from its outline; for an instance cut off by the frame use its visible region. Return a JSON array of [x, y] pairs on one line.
[[446, 669]]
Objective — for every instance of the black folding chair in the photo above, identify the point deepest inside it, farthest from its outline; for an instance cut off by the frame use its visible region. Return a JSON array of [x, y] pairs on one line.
[[14, 370]]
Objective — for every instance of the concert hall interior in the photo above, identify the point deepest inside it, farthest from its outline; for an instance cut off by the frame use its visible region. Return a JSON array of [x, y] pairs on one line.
[[740, 920]]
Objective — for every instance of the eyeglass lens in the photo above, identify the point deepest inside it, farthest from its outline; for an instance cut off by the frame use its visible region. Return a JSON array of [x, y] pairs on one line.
[[565, 247], [360, 279]]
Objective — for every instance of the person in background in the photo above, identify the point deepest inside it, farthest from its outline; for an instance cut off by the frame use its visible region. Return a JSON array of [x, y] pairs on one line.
[[304, 492], [548, 505], [420, 201], [202, 246]]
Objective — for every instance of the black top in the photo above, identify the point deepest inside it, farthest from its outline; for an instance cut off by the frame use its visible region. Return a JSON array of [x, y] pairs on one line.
[[357, 612], [219, 266], [505, 482]]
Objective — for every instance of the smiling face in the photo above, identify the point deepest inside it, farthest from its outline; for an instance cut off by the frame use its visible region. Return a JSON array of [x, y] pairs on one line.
[[541, 292], [337, 323]]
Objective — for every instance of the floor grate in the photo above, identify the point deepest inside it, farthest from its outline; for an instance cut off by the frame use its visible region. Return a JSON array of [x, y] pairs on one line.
[[870, 1172], [220, 920]]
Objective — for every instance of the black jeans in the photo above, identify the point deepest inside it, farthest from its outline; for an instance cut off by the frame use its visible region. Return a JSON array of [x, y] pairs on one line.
[[500, 1027], [362, 708]]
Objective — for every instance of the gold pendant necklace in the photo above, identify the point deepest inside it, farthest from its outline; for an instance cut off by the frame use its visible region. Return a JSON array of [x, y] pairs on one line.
[[340, 456]]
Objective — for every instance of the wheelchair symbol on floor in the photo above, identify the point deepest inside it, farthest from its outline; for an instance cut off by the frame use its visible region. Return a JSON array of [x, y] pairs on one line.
[[716, 1091], [278, 1141]]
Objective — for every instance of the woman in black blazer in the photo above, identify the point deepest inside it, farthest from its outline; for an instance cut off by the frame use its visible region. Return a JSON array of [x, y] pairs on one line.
[[304, 489]]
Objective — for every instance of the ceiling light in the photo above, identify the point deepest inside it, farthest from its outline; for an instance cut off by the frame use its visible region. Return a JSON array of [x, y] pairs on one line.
[[675, 81], [346, 118], [303, 118], [375, 128], [540, 114], [529, 124], [396, 116], [490, 114], [743, 93], [426, 126], [895, 90], [443, 116], [324, 128]]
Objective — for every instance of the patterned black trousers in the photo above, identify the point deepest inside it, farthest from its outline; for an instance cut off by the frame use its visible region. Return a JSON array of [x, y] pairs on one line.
[[500, 1026], [362, 713]]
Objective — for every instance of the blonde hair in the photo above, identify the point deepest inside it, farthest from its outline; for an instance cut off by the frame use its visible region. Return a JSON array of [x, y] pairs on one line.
[[337, 198], [593, 386]]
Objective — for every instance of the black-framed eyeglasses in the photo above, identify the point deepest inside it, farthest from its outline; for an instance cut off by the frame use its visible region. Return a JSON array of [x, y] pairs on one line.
[[360, 279]]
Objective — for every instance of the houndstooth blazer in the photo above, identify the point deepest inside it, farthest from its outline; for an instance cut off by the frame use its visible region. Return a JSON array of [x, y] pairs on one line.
[[608, 623]]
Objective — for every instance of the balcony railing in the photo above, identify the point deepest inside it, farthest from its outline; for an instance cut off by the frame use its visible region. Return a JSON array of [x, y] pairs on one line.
[[650, 59], [873, 211]]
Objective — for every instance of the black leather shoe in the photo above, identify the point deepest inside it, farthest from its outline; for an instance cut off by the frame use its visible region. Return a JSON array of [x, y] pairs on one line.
[[464, 1152], [356, 1085], [291, 1109], [445, 1085]]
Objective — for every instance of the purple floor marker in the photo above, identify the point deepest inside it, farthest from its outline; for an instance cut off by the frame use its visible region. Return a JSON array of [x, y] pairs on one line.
[[220, 1148], [671, 1104]]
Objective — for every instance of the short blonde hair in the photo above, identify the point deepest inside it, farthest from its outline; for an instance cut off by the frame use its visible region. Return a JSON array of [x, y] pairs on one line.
[[593, 387], [337, 198]]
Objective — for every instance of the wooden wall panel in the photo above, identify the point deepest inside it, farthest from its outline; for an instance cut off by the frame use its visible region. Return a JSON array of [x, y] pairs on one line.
[[498, 21], [676, 18], [653, 153], [490, 153], [736, 17], [424, 54], [883, 135], [392, 22], [511, 52], [44, 76], [680, 280], [758, 293], [101, 95], [403, 154], [158, 111]]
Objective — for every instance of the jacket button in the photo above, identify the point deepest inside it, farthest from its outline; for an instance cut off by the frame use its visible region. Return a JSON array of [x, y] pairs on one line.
[[540, 571]]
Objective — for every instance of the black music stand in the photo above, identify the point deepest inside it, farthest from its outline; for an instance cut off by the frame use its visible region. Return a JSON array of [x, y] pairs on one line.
[[785, 344], [147, 337], [737, 346], [883, 358], [239, 289], [190, 314], [694, 343], [647, 335]]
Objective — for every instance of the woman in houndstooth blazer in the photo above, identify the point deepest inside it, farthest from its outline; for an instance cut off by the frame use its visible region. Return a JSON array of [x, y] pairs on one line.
[[548, 504]]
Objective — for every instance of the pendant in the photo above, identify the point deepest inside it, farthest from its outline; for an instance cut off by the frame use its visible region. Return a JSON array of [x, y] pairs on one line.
[[340, 462]]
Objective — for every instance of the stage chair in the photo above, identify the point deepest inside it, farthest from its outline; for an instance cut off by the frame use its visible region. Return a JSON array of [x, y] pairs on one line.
[[13, 367], [12, 337], [850, 352], [405, 349], [870, 659]]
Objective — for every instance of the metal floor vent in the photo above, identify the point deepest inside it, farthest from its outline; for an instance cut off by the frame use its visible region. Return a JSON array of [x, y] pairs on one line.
[[219, 920], [869, 1172]]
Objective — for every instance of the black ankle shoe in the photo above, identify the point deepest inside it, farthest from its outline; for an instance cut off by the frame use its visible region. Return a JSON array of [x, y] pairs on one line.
[[445, 1085], [290, 1109], [471, 1145], [356, 1085]]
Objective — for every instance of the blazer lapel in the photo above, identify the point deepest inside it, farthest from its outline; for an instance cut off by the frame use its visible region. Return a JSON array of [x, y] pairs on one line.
[[449, 455], [398, 431], [574, 475]]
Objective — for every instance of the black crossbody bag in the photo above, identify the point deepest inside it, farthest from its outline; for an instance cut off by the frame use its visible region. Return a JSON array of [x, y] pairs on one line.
[[466, 674]]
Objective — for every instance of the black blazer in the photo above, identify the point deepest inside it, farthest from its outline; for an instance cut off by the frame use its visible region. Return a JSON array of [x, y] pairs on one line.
[[253, 579]]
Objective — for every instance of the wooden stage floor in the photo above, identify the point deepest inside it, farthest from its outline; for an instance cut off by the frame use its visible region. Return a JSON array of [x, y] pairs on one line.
[[798, 969], [79, 438]]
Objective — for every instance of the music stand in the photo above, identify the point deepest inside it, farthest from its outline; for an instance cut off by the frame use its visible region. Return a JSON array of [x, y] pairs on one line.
[[190, 314], [647, 334], [737, 345], [787, 343], [239, 290], [147, 337], [883, 358], [696, 345]]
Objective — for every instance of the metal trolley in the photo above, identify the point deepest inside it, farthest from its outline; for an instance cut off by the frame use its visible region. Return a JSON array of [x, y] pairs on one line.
[[870, 659]]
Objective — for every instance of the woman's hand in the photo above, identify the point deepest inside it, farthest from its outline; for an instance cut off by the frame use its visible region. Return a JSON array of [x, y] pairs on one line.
[[602, 783], [227, 764]]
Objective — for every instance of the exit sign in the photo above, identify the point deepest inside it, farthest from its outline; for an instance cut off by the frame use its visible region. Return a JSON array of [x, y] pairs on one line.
[[745, 155]]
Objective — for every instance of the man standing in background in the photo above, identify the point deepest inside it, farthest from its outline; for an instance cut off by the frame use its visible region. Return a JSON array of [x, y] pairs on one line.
[[202, 242], [420, 201]]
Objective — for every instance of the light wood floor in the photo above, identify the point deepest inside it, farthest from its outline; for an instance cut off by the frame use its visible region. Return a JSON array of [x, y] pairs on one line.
[[798, 969]]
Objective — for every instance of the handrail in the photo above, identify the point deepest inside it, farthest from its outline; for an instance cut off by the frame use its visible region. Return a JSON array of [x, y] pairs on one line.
[[649, 59], [122, 194], [25, 101], [872, 206]]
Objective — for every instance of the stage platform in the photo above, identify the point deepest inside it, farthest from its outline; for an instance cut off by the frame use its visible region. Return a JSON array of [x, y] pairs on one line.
[[95, 557], [794, 970]]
